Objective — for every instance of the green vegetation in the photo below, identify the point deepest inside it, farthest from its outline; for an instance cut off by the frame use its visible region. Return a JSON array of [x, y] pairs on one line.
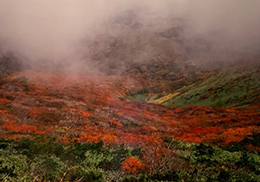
[[45, 159], [138, 97], [223, 89], [207, 163]]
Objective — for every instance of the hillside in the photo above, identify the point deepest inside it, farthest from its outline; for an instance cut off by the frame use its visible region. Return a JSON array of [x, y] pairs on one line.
[[231, 87], [141, 101], [92, 108]]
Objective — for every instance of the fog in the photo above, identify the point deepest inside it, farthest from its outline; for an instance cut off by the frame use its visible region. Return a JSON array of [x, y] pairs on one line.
[[51, 31]]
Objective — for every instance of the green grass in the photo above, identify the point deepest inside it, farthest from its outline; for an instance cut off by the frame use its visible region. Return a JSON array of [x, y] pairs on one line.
[[224, 89], [138, 97]]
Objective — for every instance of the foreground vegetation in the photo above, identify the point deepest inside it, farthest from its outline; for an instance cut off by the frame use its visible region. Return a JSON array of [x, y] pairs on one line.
[[43, 158]]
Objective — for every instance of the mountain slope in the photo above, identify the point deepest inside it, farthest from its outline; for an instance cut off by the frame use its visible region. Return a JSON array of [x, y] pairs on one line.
[[226, 88], [92, 108]]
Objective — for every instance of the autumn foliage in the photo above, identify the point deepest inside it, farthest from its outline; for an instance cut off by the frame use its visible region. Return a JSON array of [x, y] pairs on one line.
[[132, 165], [92, 108], [23, 128]]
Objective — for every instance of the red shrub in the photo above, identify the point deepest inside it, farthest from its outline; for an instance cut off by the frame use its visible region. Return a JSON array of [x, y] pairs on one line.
[[24, 128], [132, 165]]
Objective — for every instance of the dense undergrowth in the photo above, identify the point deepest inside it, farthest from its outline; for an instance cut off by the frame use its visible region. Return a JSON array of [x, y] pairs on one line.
[[43, 158]]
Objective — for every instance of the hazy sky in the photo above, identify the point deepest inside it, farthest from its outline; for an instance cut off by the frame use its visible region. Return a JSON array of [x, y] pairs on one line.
[[51, 29]]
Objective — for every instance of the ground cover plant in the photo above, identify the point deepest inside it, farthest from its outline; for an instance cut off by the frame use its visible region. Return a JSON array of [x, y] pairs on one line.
[[43, 158]]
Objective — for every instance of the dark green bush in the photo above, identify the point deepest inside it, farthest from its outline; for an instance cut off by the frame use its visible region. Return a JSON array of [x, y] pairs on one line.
[[43, 158]]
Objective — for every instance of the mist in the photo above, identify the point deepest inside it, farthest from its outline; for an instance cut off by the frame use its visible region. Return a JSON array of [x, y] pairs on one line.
[[51, 32]]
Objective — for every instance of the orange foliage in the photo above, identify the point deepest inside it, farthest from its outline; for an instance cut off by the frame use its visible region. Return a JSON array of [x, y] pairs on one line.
[[84, 113], [93, 129], [4, 100], [129, 138], [24, 128], [132, 165], [233, 139], [88, 138], [109, 138], [200, 130], [190, 137], [3, 112], [147, 122], [198, 134], [236, 134], [240, 131], [34, 112], [117, 123]]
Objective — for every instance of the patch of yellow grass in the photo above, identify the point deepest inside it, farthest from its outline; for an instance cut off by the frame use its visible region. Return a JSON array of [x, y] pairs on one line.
[[165, 98]]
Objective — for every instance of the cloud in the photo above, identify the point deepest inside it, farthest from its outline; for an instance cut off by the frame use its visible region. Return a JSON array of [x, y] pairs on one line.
[[50, 30]]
